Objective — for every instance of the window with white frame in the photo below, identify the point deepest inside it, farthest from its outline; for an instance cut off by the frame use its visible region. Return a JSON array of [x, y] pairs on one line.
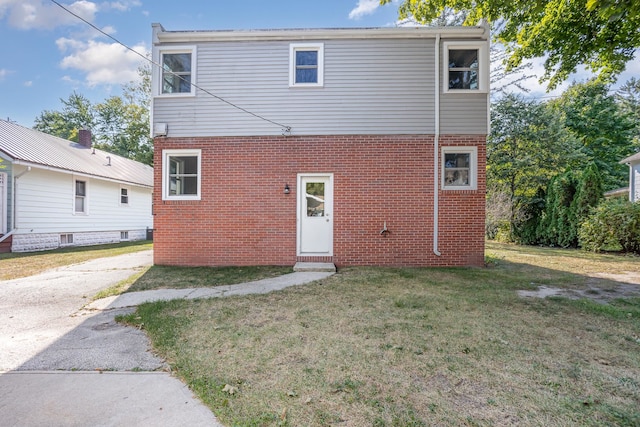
[[178, 71], [181, 174], [124, 196], [466, 67], [306, 65], [459, 168], [80, 200]]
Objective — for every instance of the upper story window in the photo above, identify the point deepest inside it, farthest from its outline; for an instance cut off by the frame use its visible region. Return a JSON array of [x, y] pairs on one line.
[[181, 174], [466, 67], [80, 200], [306, 65], [178, 71], [459, 168]]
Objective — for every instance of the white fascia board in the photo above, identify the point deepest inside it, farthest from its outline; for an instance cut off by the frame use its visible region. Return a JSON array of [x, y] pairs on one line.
[[75, 173], [479, 32]]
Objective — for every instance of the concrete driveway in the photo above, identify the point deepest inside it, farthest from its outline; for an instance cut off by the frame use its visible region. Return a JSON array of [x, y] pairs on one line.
[[63, 366]]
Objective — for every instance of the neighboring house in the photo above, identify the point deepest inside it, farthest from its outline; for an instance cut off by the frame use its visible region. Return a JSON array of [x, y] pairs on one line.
[[55, 192], [351, 146], [634, 176]]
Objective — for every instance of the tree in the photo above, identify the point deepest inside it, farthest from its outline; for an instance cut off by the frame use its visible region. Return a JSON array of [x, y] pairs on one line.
[[600, 34], [628, 98], [557, 225], [77, 113], [526, 147], [120, 124], [594, 118]]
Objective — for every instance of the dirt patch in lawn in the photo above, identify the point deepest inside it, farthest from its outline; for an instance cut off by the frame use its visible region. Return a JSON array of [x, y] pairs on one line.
[[601, 288]]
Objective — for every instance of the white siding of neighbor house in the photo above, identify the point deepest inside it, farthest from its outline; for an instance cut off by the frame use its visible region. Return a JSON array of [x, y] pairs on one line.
[[45, 204], [634, 183], [375, 86]]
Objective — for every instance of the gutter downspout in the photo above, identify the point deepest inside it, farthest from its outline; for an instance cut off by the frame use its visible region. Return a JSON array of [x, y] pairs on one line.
[[436, 142], [15, 197]]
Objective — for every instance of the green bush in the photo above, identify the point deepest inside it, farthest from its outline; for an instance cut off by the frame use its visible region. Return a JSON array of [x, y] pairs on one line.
[[612, 223]]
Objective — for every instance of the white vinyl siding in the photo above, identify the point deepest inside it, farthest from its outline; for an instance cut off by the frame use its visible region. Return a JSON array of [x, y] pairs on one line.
[[370, 87], [42, 205]]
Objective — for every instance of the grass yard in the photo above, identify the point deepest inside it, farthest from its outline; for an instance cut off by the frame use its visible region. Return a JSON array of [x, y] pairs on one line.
[[16, 265], [415, 347]]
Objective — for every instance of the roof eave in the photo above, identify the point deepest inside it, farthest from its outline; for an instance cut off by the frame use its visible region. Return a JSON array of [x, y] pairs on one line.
[[163, 36], [87, 175]]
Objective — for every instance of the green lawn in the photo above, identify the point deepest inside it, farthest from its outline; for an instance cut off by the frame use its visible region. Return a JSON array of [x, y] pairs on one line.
[[415, 347], [16, 265]]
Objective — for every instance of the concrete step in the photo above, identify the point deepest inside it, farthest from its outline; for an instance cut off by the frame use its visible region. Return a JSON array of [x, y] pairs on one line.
[[315, 266]]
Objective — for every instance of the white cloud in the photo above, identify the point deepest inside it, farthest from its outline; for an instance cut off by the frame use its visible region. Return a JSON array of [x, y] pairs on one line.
[[102, 63], [122, 6], [28, 83], [40, 14], [3, 73], [364, 7]]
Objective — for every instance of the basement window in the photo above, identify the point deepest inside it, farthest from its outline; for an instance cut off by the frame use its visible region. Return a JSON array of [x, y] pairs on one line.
[[66, 239]]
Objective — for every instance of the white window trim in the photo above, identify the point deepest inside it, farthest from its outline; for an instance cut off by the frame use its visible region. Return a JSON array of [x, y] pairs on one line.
[[86, 197], [293, 47], [165, 173], [473, 168], [157, 71], [122, 187], [483, 65]]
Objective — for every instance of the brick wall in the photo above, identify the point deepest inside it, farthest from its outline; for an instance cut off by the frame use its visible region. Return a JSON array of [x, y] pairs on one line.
[[244, 217]]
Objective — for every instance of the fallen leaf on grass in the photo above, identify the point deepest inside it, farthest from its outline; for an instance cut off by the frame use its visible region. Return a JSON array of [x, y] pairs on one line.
[[230, 389]]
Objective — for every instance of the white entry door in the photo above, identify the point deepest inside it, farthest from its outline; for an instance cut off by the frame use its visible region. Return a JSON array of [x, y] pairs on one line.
[[315, 214]]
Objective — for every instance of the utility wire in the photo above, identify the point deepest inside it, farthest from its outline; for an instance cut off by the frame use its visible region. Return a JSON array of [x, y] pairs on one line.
[[285, 129]]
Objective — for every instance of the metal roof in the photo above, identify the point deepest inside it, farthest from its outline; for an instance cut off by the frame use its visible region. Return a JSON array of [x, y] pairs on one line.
[[35, 148]]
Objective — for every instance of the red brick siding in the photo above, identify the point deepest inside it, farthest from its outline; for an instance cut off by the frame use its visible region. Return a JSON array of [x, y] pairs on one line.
[[244, 217]]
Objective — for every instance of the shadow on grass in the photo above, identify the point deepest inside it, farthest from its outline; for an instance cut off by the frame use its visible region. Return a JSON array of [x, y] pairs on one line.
[[143, 244], [169, 277]]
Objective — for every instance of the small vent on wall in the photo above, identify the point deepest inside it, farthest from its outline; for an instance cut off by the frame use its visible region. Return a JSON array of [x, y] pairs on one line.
[[66, 239], [124, 235], [160, 129]]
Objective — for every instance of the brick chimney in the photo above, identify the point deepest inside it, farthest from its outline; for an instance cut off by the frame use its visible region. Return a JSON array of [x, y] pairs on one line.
[[84, 137]]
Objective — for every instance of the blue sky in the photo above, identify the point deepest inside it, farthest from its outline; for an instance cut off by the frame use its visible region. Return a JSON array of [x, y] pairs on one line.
[[46, 54]]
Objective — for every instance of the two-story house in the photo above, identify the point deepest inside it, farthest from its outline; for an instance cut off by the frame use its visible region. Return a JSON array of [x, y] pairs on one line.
[[350, 146]]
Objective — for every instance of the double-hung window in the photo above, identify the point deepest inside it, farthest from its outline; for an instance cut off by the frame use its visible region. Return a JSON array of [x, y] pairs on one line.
[[181, 174], [178, 72], [466, 67], [459, 168], [306, 65], [80, 200], [124, 196]]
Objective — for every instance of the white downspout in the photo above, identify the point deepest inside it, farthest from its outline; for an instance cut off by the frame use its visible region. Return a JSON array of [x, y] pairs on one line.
[[14, 197], [436, 142]]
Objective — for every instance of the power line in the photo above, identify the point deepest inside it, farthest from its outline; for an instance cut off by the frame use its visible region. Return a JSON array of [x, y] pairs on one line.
[[285, 129]]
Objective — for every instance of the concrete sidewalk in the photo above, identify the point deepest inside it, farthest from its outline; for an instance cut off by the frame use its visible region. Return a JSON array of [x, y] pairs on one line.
[[65, 366], [257, 287]]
